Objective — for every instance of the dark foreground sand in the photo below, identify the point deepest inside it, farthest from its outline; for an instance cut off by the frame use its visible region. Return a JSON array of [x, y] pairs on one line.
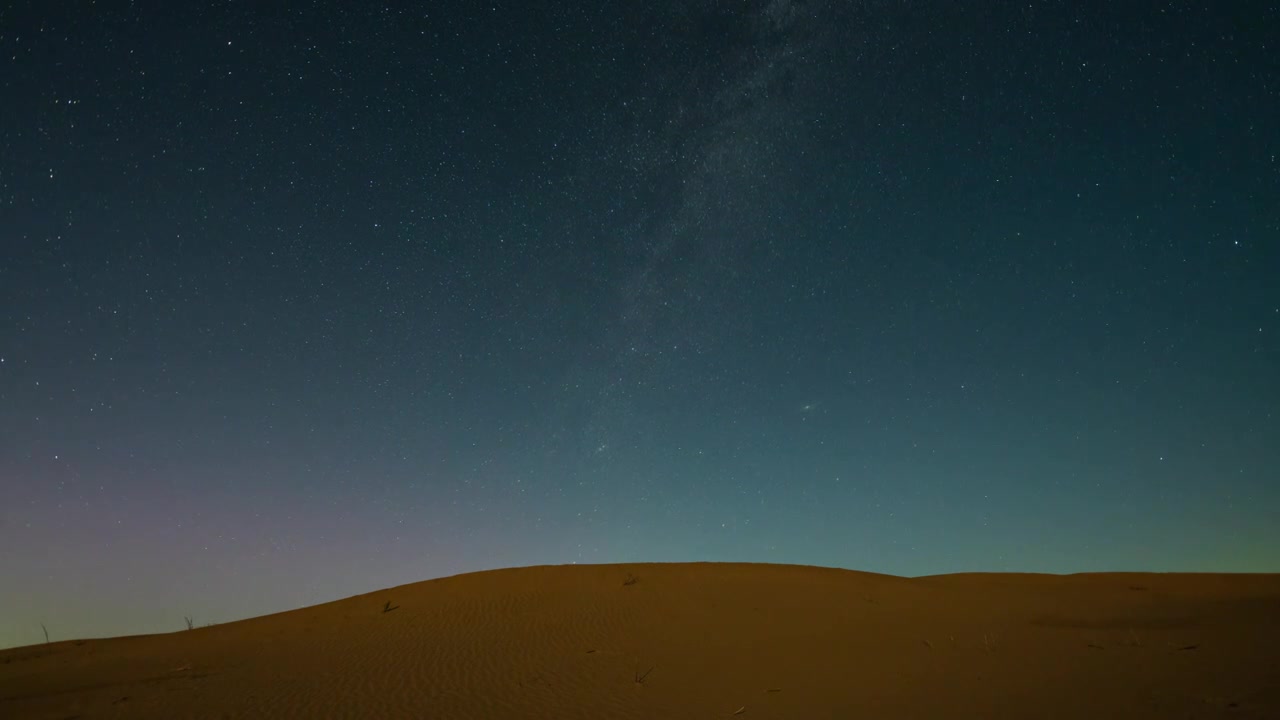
[[699, 640]]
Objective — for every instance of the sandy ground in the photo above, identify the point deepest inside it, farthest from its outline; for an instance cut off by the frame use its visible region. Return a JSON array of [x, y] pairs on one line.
[[698, 640]]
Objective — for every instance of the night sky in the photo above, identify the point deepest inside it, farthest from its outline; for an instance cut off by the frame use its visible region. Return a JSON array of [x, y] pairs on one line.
[[304, 300]]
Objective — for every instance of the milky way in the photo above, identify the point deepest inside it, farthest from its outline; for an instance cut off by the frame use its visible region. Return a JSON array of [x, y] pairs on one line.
[[298, 303]]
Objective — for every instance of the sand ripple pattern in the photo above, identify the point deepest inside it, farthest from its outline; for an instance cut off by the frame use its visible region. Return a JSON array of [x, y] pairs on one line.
[[697, 640]]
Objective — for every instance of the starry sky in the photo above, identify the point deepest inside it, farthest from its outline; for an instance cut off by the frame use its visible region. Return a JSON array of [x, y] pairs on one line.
[[304, 300]]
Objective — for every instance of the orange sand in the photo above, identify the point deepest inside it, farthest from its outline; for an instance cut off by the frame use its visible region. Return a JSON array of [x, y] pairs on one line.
[[698, 640]]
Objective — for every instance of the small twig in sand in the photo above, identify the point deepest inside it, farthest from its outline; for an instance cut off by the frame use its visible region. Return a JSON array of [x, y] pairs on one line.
[[190, 623], [46, 633], [630, 579], [740, 710], [388, 607], [640, 678], [928, 644], [989, 642]]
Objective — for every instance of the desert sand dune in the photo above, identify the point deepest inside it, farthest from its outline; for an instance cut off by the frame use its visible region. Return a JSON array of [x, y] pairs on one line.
[[698, 640]]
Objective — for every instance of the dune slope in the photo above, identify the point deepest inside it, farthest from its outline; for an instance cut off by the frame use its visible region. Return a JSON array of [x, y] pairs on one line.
[[698, 640]]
